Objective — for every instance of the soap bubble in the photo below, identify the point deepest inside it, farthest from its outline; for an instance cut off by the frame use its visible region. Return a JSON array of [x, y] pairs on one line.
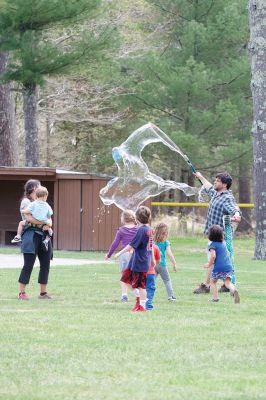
[[135, 183]]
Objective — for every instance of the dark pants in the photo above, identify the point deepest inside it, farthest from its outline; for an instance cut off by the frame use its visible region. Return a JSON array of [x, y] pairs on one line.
[[29, 260]]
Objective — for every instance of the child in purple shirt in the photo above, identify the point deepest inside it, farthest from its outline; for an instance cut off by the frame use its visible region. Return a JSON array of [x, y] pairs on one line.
[[124, 234]]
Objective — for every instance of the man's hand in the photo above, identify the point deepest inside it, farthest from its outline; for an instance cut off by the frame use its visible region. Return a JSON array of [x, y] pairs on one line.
[[206, 266], [106, 257], [236, 218]]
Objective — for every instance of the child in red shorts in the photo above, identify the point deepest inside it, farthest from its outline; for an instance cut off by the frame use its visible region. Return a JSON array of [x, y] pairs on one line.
[[136, 273]]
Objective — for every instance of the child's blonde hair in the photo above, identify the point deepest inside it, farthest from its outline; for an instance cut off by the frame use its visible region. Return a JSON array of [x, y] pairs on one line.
[[128, 217], [41, 191], [160, 232]]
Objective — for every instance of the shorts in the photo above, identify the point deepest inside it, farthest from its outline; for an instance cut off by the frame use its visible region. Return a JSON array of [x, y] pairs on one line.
[[135, 279], [222, 275], [124, 260]]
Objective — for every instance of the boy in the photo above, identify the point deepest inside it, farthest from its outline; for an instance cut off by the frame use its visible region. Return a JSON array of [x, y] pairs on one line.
[[136, 273]]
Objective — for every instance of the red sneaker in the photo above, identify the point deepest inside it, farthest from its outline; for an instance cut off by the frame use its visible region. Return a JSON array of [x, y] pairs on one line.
[[141, 309], [136, 306], [23, 296]]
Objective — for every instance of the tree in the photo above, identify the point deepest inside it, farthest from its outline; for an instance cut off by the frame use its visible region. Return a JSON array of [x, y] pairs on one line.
[[31, 30], [195, 83], [8, 142], [257, 48]]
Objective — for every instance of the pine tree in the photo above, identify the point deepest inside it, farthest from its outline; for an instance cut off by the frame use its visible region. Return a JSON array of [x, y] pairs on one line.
[[30, 30], [196, 81], [8, 142]]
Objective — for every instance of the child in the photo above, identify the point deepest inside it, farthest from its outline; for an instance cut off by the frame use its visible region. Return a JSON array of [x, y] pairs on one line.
[[221, 263], [124, 235], [160, 239], [29, 196], [41, 211], [136, 273], [150, 281]]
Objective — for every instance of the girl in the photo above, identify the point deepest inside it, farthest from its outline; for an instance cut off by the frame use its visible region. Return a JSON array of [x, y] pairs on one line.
[[124, 235], [221, 263], [160, 239]]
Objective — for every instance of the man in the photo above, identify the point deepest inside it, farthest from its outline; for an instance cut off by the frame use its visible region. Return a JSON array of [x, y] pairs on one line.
[[222, 203]]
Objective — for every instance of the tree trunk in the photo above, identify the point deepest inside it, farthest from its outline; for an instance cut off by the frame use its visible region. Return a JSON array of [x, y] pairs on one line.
[[8, 141], [30, 125], [244, 197], [257, 48]]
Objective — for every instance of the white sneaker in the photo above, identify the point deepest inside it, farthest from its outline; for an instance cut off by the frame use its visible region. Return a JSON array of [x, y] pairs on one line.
[[16, 239]]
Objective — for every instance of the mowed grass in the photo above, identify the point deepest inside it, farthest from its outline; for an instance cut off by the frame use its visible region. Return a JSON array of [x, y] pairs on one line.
[[85, 344]]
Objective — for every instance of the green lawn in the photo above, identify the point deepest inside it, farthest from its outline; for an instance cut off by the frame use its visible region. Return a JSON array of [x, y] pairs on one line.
[[86, 345]]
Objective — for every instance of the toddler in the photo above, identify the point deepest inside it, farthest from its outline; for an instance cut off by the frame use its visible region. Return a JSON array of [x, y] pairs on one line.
[[221, 262]]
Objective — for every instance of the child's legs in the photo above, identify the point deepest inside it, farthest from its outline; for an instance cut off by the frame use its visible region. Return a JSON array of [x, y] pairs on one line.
[[228, 283], [213, 283], [21, 227], [123, 263], [150, 289], [163, 271]]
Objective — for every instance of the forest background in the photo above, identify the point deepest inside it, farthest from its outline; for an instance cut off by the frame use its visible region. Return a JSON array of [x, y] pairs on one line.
[[82, 78]]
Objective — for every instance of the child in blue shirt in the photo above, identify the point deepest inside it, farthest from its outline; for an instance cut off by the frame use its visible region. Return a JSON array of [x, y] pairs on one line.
[[221, 263], [136, 273]]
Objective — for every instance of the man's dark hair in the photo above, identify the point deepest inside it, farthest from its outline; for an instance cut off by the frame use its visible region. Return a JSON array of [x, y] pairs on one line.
[[216, 233], [143, 215], [225, 178]]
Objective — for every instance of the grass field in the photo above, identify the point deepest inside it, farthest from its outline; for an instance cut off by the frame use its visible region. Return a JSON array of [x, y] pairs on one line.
[[85, 344]]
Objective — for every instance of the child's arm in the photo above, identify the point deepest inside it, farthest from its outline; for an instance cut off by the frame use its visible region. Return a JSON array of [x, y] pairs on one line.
[[114, 245], [210, 263], [124, 250], [171, 256]]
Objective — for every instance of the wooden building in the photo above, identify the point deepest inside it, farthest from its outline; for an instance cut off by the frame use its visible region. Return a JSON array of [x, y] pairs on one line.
[[80, 221]]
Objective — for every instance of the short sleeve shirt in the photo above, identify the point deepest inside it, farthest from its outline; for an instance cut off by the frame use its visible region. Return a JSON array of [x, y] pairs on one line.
[[142, 245], [24, 204], [222, 261], [40, 210], [162, 247]]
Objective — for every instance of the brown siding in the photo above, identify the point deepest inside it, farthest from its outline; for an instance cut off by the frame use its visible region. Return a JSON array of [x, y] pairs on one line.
[[69, 200]]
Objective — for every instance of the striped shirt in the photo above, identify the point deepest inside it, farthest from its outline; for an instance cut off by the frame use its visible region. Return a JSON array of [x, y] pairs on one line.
[[221, 203]]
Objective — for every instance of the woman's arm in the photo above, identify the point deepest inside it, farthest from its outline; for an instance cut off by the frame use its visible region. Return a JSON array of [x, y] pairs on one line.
[[29, 218], [171, 256]]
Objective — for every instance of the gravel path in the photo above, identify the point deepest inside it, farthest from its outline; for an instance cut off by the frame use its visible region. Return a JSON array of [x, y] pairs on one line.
[[16, 261]]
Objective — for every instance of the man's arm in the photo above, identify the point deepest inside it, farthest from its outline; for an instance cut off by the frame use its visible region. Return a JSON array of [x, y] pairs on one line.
[[207, 185]]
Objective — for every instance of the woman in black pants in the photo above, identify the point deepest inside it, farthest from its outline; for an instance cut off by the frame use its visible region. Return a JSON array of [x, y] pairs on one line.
[[31, 247]]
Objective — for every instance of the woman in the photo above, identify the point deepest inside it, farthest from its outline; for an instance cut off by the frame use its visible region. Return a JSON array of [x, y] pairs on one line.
[[32, 246]]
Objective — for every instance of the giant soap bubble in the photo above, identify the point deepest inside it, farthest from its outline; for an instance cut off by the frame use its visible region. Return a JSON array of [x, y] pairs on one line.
[[135, 183]]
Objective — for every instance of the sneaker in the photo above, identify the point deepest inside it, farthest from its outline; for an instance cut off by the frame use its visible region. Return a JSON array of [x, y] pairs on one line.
[[16, 239], [45, 296], [136, 306], [223, 289], [45, 245], [23, 296], [124, 298], [214, 300], [236, 297], [172, 298], [202, 289], [141, 309]]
